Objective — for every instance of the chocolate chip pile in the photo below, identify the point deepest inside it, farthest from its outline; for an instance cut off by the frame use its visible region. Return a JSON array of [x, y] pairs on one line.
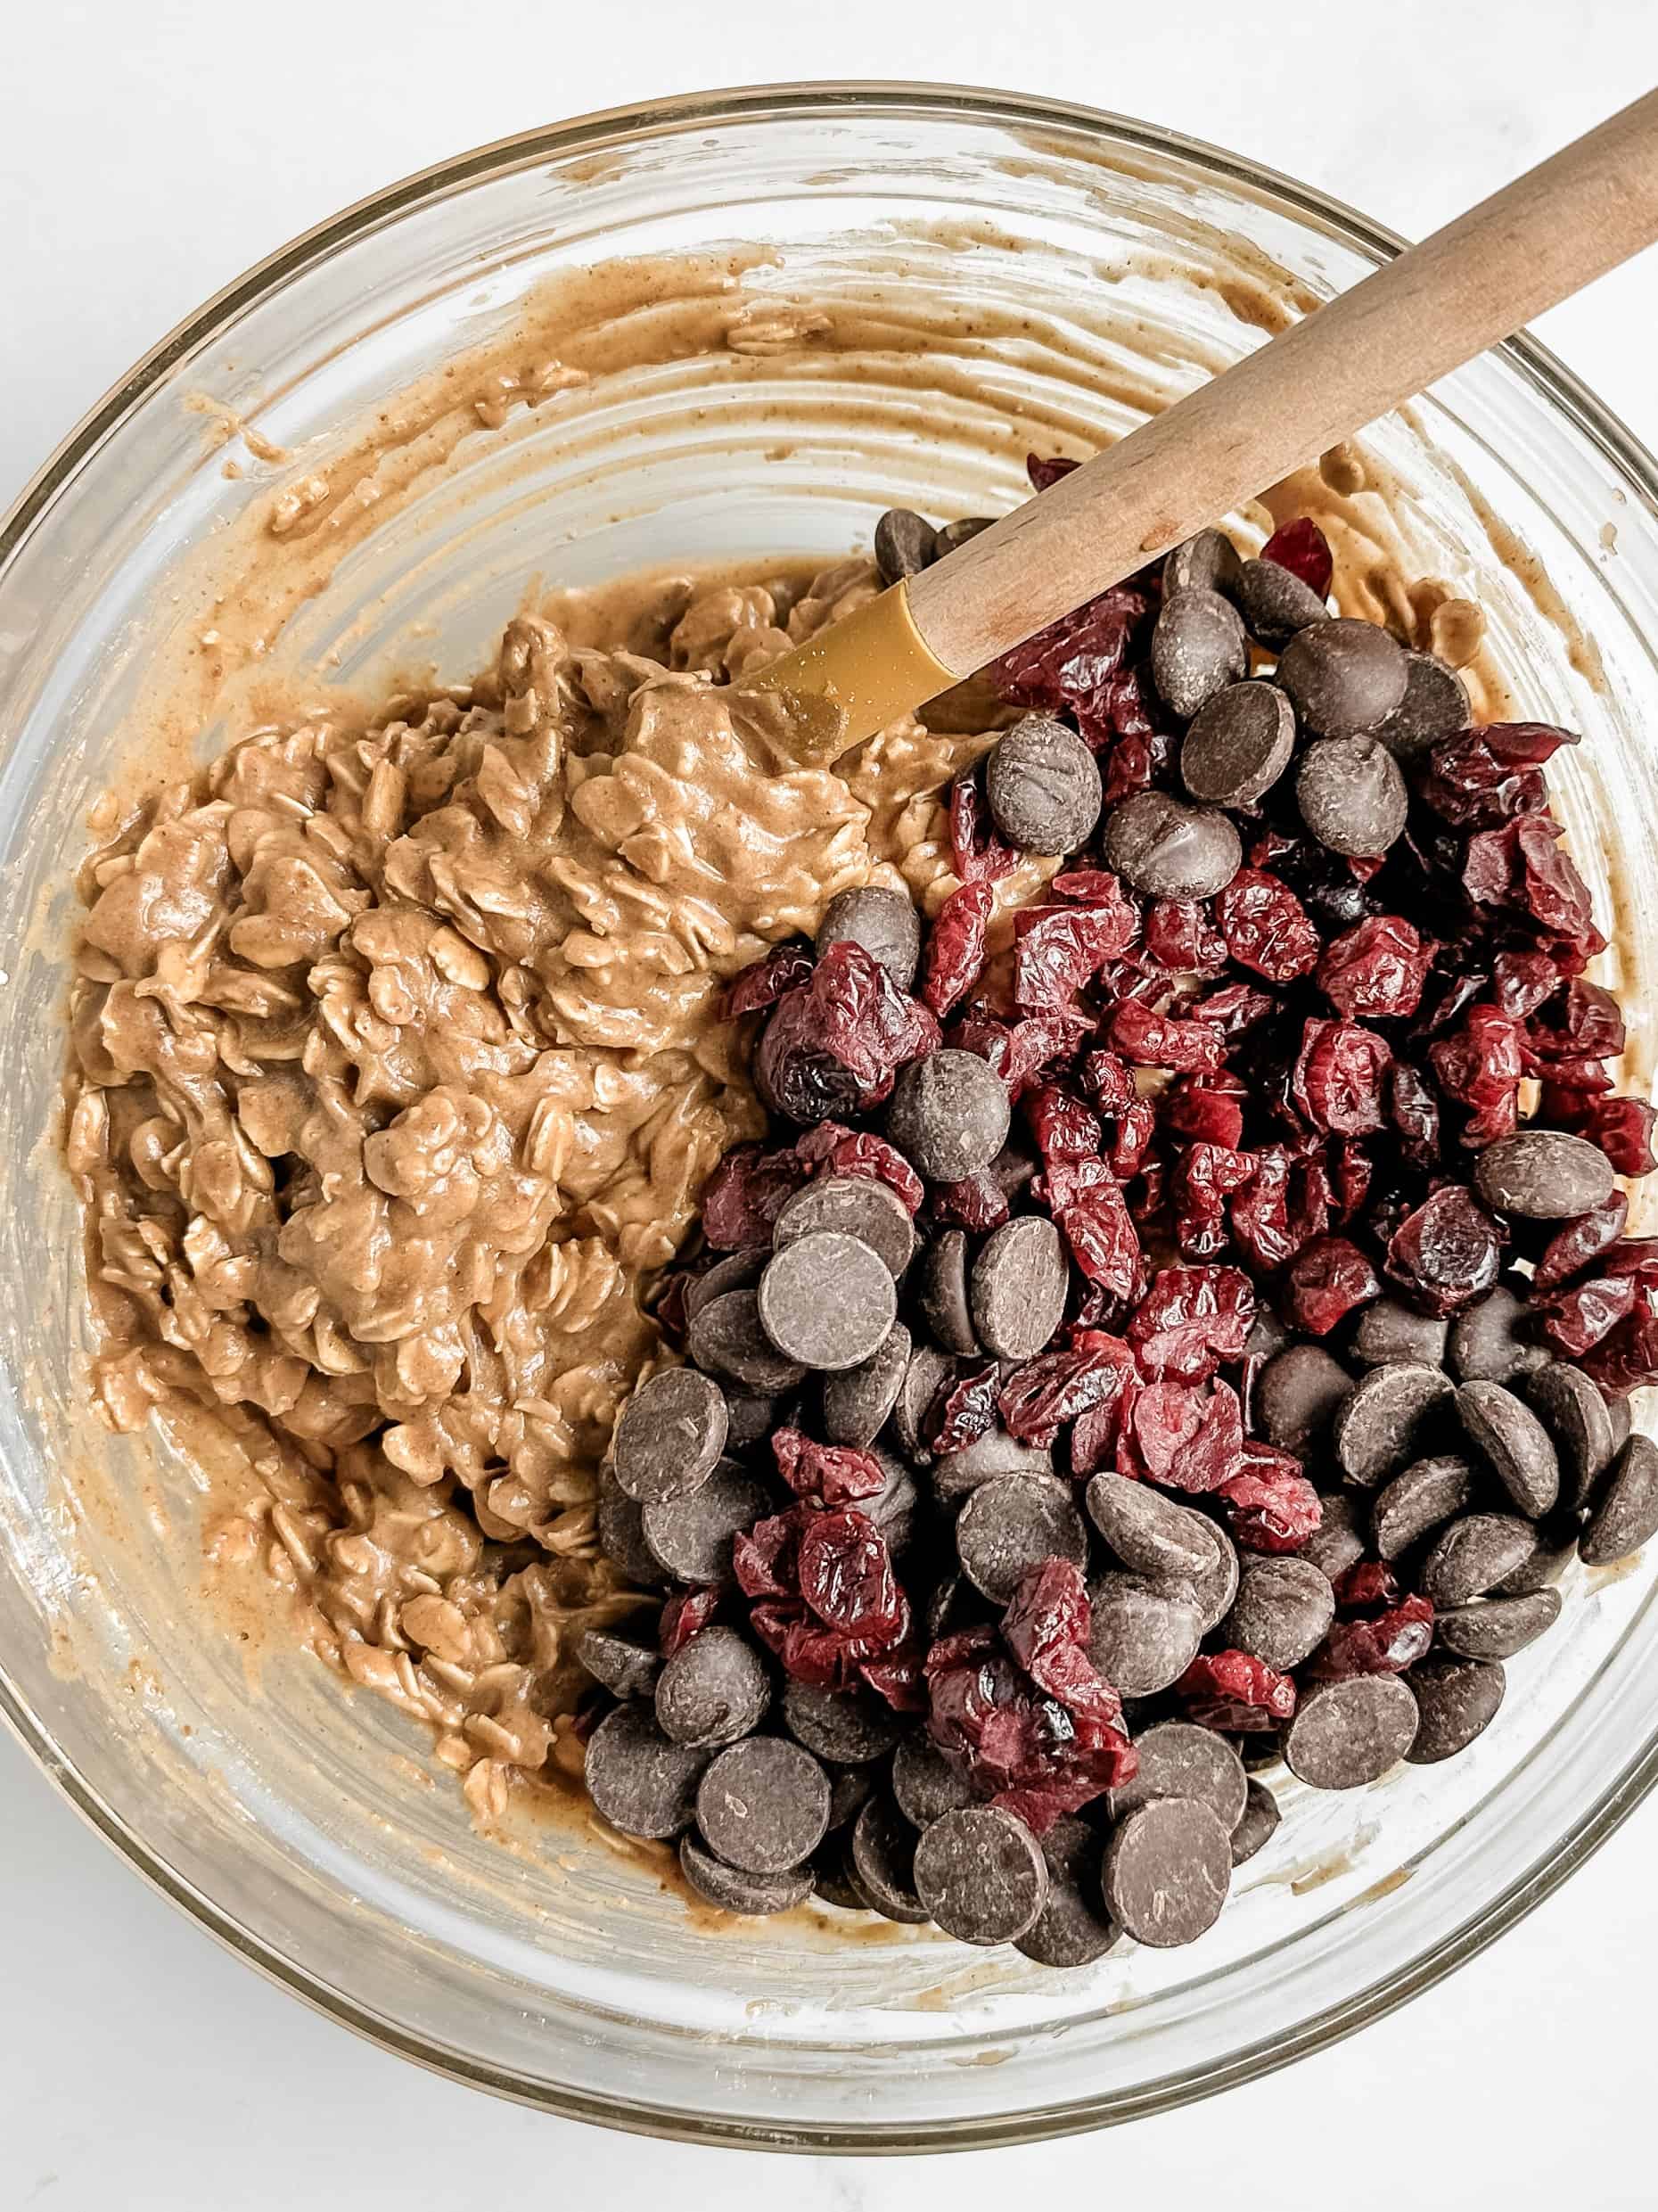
[[1181, 1325]]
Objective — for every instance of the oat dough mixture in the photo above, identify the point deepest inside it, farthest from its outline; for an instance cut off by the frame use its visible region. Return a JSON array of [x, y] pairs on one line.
[[396, 1071]]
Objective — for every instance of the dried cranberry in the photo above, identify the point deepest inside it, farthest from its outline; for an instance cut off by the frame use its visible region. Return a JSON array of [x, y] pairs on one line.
[[967, 1412], [1415, 1113], [1521, 866], [1485, 777], [1520, 982], [1181, 937], [1580, 1318], [1368, 1586], [1138, 759], [1301, 547], [1570, 1250], [954, 957], [1623, 1130], [1328, 1277], [1446, 1252], [1088, 1204], [668, 1312], [1261, 1223], [835, 1474], [1231, 1009], [745, 1195], [1046, 1627], [1046, 471], [1192, 1320], [1339, 1077], [763, 1557], [685, 1615], [1075, 662], [833, 1150], [1207, 1108], [833, 1043], [1387, 1644], [1205, 1176], [1266, 926], [1628, 1358], [1041, 1396], [978, 1201], [1058, 949], [764, 981], [1131, 1141], [1063, 1128], [977, 853], [846, 1575], [1374, 971], [1148, 1040], [1480, 1066], [1021, 1051], [1235, 1693], [1582, 1021], [1270, 1504], [1187, 1435]]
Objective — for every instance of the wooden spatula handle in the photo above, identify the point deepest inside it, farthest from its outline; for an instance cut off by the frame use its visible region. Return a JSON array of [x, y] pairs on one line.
[[1442, 302]]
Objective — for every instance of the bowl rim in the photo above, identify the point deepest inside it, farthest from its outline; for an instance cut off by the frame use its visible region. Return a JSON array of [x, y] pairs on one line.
[[598, 128]]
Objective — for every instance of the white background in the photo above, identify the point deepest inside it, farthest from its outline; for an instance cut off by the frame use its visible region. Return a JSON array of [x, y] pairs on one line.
[[148, 154]]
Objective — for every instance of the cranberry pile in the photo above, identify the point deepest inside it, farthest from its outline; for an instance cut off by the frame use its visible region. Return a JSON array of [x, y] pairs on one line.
[[1195, 1336]]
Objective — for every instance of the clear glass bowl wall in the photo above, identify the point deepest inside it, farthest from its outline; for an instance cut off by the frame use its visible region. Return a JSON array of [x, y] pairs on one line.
[[305, 1823]]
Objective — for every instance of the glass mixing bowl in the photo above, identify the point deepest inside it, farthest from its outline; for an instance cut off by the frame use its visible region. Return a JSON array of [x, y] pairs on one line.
[[951, 276]]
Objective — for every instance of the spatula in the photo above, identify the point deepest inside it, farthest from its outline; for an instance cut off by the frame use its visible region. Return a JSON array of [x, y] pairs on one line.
[[1525, 248]]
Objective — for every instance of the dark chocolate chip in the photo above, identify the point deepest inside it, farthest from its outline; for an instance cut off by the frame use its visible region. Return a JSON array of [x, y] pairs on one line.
[[1627, 1516], [835, 1881], [941, 1287], [1072, 1929], [1350, 1732], [1337, 1542], [1390, 1420], [1474, 1555], [621, 1534], [1351, 795], [738, 1270], [627, 1669], [1259, 1825], [639, 1780], [845, 1728], [948, 1116], [669, 1436], [1621, 1415], [895, 1506], [753, 1417], [1197, 648], [850, 1788], [726, 1337], [1167, 1869], [958, 533], [1274, 603], [1544, 1175], [1150, 1534], [905, 543], [763, 1804], [1268, 1336], [858, 1403], [1171, 851], [1020, 1280], [1145, 1633], [1216, 1587], [925, 1783], [828, 1300], [1343, 677], [1514, 1442], [1435, 705], [1556, 1549], [850, 1206], [1490, 1341], [884, 923], [1495, 1628], [1239, 744], [1013, 1524], [1458, 1700], [883, 1859], [1429, 1493], [1297, 1397], [691, 1536], [734, 1891], [1572, 1411], [980, 1875], [1043, 788], [1388, 1330], [982, 1461], [1206, 563], [952, 1604], [1178, 1759], [926, 1377], [713, 1689], [1283, 1610]]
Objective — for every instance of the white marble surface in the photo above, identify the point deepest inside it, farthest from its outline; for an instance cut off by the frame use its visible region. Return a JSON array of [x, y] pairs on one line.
[[147, 155]]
